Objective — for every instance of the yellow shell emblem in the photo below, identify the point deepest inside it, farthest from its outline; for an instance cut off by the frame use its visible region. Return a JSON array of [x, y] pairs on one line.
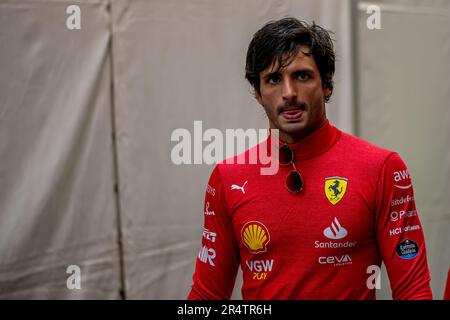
[[255, 236], [335, 188]]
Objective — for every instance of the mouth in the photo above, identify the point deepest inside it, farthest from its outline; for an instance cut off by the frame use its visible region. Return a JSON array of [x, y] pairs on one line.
[[292, 113]]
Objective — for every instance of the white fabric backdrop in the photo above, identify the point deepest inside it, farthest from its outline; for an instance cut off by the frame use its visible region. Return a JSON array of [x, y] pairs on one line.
[[57, 204], [404, 106], [169, 63]]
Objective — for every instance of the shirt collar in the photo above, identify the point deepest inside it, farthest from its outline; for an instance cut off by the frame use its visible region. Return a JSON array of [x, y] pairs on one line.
[[314, 144]]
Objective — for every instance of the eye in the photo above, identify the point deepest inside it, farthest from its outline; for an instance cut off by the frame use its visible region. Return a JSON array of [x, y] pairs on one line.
[[274, 79], [303, 75]]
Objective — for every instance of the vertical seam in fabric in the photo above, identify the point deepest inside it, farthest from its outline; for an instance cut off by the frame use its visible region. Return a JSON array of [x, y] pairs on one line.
[[122, 290], [355, 65]]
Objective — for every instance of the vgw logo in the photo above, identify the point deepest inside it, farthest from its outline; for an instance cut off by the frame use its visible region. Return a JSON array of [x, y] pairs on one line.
[[260, 268]]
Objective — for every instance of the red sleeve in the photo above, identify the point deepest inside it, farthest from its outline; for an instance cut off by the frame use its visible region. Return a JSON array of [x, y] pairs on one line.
[[447, 287], [218, 259], [399, 233]]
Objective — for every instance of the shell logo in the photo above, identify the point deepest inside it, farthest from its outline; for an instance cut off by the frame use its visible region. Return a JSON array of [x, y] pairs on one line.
[[255, 236]]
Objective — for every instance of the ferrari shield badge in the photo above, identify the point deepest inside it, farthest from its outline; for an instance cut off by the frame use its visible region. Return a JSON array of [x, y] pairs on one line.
[[335, 188]]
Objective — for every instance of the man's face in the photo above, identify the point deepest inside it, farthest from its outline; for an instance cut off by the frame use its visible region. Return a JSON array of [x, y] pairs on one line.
[[293, 97]]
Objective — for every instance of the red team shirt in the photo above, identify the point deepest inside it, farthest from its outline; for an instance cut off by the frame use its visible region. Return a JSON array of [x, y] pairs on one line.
[[356, 210], [447, 287]]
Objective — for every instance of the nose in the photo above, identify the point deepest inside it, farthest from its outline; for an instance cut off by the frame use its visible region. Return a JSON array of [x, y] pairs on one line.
[[288, 90]]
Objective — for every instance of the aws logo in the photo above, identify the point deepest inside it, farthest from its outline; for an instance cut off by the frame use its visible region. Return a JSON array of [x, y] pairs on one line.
[[400, 176], [255, 236]]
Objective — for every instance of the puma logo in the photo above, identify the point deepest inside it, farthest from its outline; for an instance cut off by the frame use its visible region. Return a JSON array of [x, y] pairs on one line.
[[236, 187]]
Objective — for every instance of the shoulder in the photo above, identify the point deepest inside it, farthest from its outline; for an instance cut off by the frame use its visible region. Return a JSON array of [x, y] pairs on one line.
[[363, 151], [238, 163], [244, 164], [373, 158]]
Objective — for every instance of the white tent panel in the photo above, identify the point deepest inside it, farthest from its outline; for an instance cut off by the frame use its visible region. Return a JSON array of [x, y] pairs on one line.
[[57, 203]]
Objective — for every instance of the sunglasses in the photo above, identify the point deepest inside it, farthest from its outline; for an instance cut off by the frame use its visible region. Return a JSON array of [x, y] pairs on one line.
[[294, 180]]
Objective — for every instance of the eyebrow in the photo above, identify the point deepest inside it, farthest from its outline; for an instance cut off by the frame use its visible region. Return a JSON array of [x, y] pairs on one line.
[[270, 75], [304, 69], [277, 73]]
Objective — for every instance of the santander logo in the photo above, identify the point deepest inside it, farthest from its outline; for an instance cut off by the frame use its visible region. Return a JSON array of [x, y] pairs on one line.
[[335, 231]]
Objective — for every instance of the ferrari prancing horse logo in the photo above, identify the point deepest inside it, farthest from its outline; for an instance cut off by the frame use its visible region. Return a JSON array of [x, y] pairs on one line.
[[335, 188]]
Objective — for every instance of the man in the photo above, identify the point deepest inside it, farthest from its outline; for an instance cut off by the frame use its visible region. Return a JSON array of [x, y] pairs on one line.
[[338, 206]]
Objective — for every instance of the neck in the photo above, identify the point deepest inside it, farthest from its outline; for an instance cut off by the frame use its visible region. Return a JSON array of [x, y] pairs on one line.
[[314, 143], [291, 138]]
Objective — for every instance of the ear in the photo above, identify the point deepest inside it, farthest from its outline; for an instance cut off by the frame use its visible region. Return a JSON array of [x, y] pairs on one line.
[[257, 96], [326, 92]]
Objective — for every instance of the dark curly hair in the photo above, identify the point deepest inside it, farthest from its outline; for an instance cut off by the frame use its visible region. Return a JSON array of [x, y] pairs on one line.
[[279, 41]]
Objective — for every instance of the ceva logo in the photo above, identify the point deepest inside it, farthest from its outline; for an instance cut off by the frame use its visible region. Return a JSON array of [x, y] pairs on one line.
[[336, 260]]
